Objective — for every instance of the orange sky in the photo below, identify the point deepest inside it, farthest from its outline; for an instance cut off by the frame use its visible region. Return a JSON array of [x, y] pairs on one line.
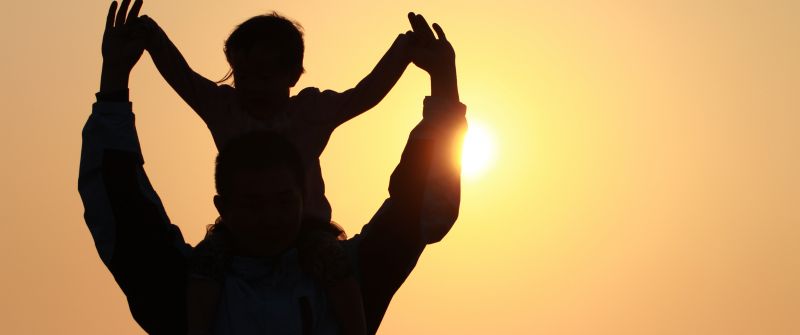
[[644, 175]]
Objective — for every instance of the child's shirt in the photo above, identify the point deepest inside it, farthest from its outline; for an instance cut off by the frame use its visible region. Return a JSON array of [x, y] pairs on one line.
[[308, 121]]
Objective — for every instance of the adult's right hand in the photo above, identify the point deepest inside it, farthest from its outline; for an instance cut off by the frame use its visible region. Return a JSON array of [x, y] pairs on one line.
[[123, 44], [435, 55]]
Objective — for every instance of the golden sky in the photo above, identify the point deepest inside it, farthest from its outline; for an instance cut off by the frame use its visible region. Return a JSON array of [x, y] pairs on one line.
[[643, 175]]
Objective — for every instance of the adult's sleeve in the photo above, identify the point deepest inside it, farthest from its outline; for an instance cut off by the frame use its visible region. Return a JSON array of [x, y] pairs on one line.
[[132, 233], [423, 204]]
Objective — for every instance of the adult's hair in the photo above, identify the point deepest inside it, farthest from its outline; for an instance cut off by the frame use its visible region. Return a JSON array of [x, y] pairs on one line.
[[277, 31]]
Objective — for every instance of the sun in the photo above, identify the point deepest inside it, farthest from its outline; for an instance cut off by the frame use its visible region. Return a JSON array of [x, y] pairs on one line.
[[478, 150]]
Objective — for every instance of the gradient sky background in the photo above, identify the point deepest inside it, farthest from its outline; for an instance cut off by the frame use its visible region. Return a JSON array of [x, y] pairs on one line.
[[644, 178]]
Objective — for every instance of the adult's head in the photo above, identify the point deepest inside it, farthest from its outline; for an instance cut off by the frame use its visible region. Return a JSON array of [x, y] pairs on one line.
[[266, 58], [260, 188]]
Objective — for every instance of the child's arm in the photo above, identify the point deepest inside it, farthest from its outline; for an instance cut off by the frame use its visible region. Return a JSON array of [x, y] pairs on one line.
[[193, 88], [374, 87]]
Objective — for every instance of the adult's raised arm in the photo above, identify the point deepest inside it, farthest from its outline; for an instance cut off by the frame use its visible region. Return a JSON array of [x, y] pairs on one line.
[[144, 252], [425, 187]]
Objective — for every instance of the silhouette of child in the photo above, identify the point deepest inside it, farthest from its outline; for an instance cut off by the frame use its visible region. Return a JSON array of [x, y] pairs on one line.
[[265, 54]]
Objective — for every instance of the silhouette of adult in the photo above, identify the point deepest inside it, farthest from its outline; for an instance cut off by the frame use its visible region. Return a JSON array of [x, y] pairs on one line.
[[148, 256]]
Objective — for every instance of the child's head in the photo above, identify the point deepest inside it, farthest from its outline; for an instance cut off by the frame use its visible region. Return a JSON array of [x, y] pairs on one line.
[[266, 55], [260, 186]]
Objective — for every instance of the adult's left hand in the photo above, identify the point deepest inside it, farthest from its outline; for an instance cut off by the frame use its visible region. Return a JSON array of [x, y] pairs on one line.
[[124, 41]]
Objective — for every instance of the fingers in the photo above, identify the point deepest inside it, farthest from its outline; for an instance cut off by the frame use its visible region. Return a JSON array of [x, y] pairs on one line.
[[426, 28], [137, 5], [412, 18], [439, 32], [110, 18], [123, 9], [420, 27]]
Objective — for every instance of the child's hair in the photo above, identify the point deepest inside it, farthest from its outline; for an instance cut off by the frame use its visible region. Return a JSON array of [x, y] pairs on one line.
[[277, 31]]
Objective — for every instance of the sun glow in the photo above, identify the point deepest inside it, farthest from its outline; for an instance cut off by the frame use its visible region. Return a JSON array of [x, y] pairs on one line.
[[478, 150]]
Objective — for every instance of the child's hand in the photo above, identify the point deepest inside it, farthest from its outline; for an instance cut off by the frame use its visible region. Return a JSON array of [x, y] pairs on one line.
[[149, 30], [402, 45], [123, 43], [432, 54]]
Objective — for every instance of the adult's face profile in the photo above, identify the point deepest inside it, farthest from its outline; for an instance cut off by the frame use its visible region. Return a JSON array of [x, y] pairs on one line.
[[262, 210]]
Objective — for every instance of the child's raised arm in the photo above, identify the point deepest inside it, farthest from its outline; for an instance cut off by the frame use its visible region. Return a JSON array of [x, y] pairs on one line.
[[193, 88], [374, 87]]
